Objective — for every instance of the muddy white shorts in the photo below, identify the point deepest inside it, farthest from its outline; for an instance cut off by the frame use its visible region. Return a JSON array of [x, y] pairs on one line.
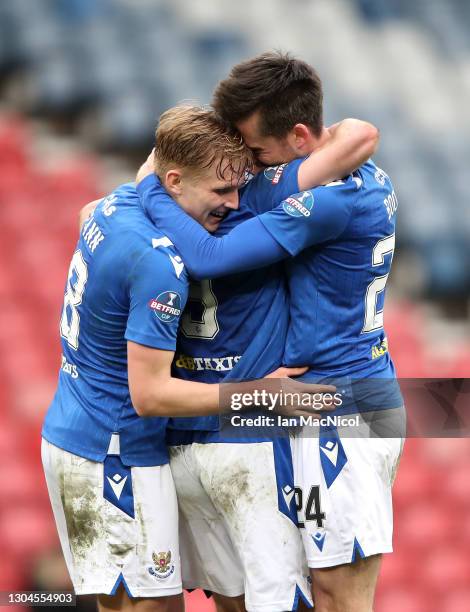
[[344, 495], [238, 531], [116, 524]]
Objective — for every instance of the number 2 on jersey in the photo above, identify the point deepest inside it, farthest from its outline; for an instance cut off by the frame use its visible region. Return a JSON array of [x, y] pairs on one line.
[[70, 320], [373, 318]]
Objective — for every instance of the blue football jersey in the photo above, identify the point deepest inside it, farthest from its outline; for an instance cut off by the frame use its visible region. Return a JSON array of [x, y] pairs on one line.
[[234, 327], [342, 237], [126, 282]]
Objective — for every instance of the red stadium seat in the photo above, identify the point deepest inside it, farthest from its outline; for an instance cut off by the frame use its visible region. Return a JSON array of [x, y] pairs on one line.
[[12, 574], [456, 600], [19, 484], [456, 488], [398, 599], [412, 476], [425, 525], [396, 569], [198, 602], [27, 531], [446, 568]]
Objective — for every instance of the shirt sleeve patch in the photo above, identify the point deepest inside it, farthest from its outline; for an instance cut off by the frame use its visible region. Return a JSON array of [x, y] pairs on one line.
[[299, 205], [274, 173], [166, 306]]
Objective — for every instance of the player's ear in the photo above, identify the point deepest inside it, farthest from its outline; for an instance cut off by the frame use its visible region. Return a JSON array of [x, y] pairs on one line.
[[299, 136], [172, 182]]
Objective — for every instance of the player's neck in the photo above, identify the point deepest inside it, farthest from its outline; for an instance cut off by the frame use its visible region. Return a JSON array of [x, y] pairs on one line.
[[314, 142]]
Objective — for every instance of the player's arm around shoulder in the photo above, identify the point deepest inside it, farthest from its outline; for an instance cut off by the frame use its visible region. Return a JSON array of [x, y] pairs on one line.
[[351, 143], [154, 392]]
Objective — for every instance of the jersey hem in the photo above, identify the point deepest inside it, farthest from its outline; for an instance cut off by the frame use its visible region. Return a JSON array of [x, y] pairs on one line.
[[99, 457], [346, 558], [273, 606], [208, 587], [148, 592]]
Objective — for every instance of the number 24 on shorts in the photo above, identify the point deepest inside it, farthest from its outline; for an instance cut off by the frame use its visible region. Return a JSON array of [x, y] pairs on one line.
[[313, 510]]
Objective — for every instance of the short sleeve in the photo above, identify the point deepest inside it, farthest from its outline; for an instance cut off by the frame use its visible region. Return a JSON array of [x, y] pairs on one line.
[[158, 290], [312, 217], [269, 187]]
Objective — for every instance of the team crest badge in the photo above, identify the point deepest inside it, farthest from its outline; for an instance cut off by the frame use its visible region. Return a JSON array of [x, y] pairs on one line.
[[380, 176], [163, 567]]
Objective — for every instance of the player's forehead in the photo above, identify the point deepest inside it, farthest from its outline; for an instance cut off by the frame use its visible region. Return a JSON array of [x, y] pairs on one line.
[[224, 173], [250, 125], [250, 129]]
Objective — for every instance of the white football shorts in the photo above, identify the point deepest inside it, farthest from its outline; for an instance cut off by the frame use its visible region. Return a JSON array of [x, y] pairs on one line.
[[116, 524], [344, 494], [238, 531]]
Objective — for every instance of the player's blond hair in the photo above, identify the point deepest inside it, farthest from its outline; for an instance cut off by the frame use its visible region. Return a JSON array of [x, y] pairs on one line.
[[193, 138]]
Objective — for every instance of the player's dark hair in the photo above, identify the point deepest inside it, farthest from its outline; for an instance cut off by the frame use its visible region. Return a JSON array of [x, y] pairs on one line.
[[283, 89]]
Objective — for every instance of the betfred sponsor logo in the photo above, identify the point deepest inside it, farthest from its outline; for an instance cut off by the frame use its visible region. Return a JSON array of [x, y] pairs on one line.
[[274, 173], [166, 306], [299, 205]]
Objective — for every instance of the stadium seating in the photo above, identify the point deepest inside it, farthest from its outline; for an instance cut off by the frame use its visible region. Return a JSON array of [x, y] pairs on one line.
[[131, 77]]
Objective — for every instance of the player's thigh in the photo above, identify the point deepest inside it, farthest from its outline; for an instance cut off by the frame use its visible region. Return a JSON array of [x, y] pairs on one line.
[[344, 494], [251, 485], [116, 524], [346, 588], [208, 558]]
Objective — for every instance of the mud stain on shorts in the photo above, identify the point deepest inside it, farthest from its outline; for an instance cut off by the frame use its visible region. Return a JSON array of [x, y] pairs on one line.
[[85, 523], [143, 529], [232, 489]]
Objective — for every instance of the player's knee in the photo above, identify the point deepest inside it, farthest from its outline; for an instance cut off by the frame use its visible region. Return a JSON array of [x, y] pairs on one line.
[[331, 601], [337, 596], [325, 600]]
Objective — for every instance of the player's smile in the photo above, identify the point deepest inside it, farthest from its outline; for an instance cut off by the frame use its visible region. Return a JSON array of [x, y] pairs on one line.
[[217, 216]]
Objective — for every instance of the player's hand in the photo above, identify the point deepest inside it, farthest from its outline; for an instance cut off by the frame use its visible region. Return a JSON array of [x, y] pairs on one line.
[[304, 399], [313, 391], [283, 372], [148, 167]]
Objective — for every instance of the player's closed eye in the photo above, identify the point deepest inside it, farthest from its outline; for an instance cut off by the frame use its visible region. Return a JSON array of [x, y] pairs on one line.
[[225, 190]]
